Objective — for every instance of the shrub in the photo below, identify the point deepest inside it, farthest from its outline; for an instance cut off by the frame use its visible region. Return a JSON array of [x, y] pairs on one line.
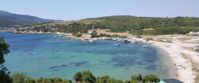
[[19, 78], [150, 78]]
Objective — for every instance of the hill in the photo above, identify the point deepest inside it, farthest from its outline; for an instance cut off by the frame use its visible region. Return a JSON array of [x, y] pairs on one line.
[[132, 24], [147, 25], [10, 19]]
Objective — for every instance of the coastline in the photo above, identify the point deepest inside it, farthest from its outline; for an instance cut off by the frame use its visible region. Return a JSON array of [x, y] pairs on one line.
[[183, 67], [167, 62]]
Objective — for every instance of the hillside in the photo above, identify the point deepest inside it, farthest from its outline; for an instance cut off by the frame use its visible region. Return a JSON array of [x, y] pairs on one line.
[[10, 19], [148, 25], [147, 22], [132, 24]]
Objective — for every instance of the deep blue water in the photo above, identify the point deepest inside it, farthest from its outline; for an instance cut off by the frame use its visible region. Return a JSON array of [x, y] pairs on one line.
[[50, 56]]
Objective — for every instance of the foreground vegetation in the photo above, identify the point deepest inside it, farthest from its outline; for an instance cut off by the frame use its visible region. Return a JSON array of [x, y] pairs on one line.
[[132, 24], [79, 77], [84, 77], [4, 73]]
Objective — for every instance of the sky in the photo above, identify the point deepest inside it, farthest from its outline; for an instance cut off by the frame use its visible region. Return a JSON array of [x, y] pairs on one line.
[[80, 9]]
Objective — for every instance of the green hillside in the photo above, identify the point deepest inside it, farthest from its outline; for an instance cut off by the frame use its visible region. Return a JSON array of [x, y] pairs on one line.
[[135, 25]]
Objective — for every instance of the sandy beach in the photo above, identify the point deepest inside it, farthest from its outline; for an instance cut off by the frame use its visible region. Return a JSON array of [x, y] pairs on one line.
[[183, 66]]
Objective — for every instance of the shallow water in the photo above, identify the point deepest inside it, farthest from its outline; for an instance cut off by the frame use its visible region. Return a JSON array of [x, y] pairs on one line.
[[51, 56]]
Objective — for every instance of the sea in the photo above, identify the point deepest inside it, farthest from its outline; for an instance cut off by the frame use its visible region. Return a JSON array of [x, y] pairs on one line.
[[47, 55]]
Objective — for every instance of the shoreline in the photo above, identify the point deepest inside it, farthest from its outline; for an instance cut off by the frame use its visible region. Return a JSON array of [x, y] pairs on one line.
[[183, 67], [168, 63]]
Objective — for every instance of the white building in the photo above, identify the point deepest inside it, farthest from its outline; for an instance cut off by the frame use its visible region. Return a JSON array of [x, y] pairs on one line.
[[192, 33], [90, 31]]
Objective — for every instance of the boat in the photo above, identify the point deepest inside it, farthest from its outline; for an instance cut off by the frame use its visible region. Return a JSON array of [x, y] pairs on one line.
[[90, 40], [126, 41], [116, 45]]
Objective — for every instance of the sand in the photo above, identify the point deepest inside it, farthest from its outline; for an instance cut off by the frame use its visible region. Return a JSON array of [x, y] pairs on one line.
[[183, 66]]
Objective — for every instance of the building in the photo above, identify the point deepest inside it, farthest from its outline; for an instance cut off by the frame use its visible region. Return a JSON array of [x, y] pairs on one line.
[[192, 33]]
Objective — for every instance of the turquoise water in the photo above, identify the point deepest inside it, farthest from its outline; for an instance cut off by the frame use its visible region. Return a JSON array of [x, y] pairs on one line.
[[51, 56]]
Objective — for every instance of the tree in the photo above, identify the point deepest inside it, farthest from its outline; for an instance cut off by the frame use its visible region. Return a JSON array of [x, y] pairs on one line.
[[30, 80], [84, 77], [102, 79], [88, 77], [19, 78], [78, 77], [137, 77], [94, 34], [4, 73], [3, 49]]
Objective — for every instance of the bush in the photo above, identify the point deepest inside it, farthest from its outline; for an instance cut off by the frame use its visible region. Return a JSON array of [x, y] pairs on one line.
[[19, 78], [94, 34], [102, 79], [84, 77], [150, 78], [78, 76], [137, 77], [30, 80], [88, 77]]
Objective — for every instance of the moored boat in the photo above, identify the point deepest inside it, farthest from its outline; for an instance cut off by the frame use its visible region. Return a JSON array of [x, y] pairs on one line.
[[116, 45]]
